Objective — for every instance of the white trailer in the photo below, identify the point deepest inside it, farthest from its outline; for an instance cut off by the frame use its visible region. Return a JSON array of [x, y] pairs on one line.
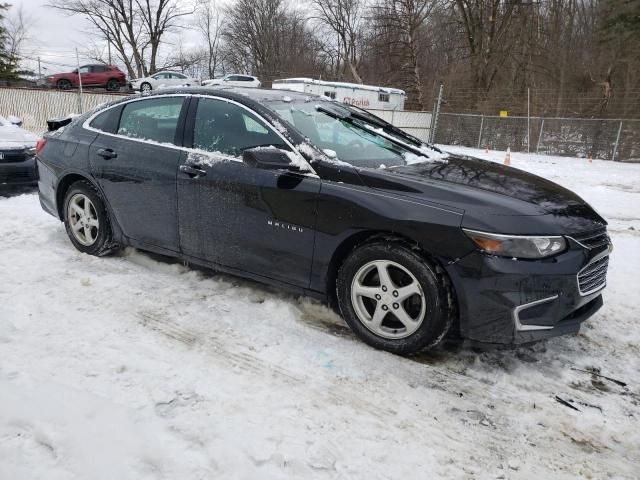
[[363, 96]]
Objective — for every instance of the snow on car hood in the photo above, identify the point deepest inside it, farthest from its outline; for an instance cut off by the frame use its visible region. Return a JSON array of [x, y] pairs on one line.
[[12, 136]]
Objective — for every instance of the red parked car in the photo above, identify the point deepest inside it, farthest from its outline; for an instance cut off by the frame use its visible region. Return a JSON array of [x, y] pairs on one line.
[[98, 75]]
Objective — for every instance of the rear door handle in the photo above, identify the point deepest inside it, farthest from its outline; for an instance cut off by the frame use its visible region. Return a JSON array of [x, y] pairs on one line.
[[107, 153], [193, 171]]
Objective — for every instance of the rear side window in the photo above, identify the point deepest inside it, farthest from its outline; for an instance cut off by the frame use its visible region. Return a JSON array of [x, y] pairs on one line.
[[107, 121], [99, 68], [155, 119], [227, 128]]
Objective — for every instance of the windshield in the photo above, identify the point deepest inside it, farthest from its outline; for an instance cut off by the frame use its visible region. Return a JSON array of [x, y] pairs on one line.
[[358, 140]]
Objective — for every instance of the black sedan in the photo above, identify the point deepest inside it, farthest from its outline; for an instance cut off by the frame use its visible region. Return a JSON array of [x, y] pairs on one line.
[[327, 200], [17, 155]]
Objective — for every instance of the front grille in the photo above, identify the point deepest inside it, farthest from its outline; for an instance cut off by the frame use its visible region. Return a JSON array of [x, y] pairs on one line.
[[593, 277], [12, 156], [593, 239], [17, 176]]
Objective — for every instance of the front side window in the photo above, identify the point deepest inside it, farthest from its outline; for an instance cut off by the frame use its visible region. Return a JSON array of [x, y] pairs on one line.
[[99, 69], [227, 128], [178, 76], [383, 97], [331, 95], [85, 69], [155, 119]]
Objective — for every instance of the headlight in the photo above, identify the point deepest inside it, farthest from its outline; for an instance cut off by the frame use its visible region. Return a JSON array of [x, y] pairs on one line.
[[31, 151], [516, 246]]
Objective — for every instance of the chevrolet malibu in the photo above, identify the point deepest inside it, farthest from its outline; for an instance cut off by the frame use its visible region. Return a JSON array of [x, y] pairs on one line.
[[327, 200]]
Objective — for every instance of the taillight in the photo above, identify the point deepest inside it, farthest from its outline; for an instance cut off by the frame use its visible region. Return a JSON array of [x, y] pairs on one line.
[[40, 144]]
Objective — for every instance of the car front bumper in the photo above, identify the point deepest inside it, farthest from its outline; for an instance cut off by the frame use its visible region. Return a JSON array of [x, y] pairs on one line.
[[506, 301], [22, 173]]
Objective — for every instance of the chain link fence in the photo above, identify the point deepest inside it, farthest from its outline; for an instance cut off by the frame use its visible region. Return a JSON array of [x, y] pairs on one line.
[[575, 137]]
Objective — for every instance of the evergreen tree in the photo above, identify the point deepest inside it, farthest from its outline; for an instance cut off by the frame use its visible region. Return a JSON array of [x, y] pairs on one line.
[[7, 61]]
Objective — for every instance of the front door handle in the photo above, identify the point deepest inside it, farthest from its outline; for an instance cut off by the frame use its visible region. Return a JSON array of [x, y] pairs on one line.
[[193, 171], [107, 153]]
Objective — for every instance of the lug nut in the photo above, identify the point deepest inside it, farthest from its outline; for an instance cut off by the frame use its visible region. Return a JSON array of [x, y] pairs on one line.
[[396, 306], [384, 289], [385, 308], [378, 297], [395, 293]]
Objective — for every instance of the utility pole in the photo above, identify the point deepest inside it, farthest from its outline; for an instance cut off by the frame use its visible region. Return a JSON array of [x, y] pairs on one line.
[[109, 46], [79, 82], [437, 115], [528, 120]]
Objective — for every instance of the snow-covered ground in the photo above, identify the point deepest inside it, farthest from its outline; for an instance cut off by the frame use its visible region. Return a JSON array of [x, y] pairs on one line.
[[131, 367]]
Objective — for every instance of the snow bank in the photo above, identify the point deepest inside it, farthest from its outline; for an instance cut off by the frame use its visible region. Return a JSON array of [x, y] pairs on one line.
[[135, 367]]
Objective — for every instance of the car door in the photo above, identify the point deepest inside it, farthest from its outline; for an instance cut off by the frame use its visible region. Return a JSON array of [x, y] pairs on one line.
[[244, 218], [135, 165]]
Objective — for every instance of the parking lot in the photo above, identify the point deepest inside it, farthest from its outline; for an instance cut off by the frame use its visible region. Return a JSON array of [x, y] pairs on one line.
[[134, 366]]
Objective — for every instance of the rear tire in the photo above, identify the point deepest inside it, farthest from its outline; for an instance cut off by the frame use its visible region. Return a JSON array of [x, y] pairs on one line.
[[145, 87], [86, 220], [404, 310], [64, 84]]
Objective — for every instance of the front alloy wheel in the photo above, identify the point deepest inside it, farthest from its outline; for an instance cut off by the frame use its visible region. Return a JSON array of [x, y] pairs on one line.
[[394, 298], [388, 299]]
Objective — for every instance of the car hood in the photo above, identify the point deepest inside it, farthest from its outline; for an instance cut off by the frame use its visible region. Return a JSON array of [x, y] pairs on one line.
[[482, 188], [12, 137]]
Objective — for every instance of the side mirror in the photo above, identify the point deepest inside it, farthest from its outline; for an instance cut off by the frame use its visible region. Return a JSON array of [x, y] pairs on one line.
[[268, 159]]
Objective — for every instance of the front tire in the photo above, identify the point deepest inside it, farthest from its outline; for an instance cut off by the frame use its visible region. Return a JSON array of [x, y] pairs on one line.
[[145, 87], [112, 85], [86, 220], [393, 298]]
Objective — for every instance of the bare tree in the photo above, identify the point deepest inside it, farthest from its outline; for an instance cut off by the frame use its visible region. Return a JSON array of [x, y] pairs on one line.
[[17, 27], [403, 21], [210, 25], [343, 18], [133, 27]]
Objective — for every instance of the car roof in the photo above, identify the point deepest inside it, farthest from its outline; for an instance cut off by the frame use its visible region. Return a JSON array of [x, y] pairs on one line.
[[241, 94]]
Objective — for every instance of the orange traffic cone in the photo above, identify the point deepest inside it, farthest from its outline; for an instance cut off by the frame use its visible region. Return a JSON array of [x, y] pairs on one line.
[[507, 158]]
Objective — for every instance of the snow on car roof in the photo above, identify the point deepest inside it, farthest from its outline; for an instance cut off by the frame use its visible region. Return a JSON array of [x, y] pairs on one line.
[[355, 86]]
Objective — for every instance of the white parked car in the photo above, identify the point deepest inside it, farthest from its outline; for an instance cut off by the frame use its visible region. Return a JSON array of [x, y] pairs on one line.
[[162, 79], [234, 80]]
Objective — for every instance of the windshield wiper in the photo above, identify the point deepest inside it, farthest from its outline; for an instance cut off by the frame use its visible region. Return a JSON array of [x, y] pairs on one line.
[[365, 116], [353, 119]]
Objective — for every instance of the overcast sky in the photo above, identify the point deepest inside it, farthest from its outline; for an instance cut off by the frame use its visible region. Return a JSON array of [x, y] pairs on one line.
[[54, 36]]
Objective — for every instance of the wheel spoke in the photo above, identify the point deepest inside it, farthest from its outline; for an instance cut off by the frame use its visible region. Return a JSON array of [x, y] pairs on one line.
[[383, 274], [408, 291], [404, 318], [76, 208], [87, 207], [378, 317], [93, 222], [76, 226], [363, 291], [87, 234]]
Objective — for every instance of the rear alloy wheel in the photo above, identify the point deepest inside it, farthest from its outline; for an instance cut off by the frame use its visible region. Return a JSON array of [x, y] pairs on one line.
[[86, 220], [63, 84], [112, 85], [145, 87], [393, 299]]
